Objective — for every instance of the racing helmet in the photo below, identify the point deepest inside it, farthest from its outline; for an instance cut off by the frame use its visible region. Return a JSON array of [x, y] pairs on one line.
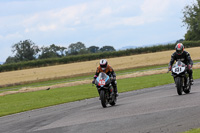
[[179, 48], [103, 64]]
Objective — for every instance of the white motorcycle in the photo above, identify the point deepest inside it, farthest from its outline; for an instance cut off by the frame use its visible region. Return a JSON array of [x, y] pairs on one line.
[[181, 77]]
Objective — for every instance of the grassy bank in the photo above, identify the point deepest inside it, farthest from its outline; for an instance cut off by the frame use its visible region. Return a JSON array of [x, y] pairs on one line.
[[20, 102], [193, 131], [79, 78]]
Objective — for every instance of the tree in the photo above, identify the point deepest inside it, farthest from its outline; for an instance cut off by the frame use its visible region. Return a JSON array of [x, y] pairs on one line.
[[62, 50], [76, 48], [11, 60], [47, 53], [107, 49], [179, 41], [52, 51], [93, 49], [25, 50], [191, 19]]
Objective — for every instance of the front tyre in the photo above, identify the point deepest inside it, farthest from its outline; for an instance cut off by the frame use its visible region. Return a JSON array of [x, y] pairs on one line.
[[179, 86], [103, 99]]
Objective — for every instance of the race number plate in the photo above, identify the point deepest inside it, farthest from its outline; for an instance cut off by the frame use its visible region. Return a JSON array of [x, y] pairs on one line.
[[102, 82]]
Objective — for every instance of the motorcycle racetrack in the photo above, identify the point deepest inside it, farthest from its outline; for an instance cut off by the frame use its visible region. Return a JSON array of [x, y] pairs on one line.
[[151, 110]]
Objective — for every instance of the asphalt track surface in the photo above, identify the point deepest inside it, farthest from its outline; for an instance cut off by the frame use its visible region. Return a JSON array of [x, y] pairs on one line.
[[151, 110]]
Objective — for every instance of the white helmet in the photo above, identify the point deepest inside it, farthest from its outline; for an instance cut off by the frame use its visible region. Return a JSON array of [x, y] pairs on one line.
[[103, 64]]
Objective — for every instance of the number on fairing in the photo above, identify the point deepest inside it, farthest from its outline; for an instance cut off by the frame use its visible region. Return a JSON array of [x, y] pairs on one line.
[[102, 82], [178, 69]]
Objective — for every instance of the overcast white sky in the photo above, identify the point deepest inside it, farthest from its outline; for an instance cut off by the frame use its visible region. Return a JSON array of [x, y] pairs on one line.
[[117, 23]]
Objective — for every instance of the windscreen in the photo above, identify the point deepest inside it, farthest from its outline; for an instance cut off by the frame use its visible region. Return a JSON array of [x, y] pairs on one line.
[[179, 63], [103, 76]]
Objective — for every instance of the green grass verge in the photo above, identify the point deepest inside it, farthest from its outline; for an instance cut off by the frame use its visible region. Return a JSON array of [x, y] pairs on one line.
[[58, 81], [193, 131], [45, 83], [20, 102]]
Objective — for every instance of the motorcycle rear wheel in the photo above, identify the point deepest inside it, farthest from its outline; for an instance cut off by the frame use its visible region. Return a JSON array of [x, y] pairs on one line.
[[188, 86], [114, 101]]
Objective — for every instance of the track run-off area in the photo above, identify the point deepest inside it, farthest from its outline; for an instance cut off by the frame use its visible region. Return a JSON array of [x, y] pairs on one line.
[[151, 110]]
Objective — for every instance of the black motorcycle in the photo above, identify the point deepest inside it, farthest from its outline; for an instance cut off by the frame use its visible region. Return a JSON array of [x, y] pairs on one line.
[[105, 89], [181, 77]]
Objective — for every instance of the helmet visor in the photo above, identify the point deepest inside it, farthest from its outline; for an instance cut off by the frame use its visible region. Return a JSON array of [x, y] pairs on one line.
[[103, 66], [179, 51]]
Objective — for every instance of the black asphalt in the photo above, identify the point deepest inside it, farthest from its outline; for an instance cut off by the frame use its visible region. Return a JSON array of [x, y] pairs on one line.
[[151, 110]]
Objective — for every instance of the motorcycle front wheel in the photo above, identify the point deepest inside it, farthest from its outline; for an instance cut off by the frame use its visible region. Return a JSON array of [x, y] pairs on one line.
[[179, 85], [103, 98]]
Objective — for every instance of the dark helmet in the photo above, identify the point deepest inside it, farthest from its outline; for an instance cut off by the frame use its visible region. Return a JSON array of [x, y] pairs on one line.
[[179, 48], [103, 64]]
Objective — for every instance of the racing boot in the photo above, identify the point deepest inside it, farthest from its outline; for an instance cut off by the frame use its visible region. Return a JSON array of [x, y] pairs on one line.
[[115, 91], [191, 80]]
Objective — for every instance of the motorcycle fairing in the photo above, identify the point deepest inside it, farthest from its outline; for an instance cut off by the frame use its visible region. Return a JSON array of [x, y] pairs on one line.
[[102, 79]]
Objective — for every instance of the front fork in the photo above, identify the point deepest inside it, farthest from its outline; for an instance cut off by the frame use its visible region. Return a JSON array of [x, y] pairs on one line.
[[182, 79], [108, 94], [185, 80]]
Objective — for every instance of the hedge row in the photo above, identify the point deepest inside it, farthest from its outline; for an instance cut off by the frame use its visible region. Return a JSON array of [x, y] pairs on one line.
[[88, 57]]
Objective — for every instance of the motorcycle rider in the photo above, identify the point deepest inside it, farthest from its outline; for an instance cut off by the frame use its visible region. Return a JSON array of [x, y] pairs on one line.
[[184, 56], [104, 67]]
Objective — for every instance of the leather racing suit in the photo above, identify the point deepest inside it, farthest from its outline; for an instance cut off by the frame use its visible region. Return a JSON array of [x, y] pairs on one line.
[[110, 72], [185, 58]]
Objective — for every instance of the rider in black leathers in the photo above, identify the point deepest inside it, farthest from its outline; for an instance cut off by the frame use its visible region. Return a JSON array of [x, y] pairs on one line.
[[184, 56]]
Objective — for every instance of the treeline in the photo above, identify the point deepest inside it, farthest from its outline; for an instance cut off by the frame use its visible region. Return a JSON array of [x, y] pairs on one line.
[[27, 50], [92, 56]]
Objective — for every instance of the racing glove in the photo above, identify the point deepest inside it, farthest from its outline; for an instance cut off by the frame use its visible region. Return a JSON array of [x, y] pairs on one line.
[[170, 68], [93, 82], [189, 67]]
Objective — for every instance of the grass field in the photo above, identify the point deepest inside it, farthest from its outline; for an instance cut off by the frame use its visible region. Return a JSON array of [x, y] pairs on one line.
[[129, 73], [79, 78], [89, 67], [193, 131], [20, 102]]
